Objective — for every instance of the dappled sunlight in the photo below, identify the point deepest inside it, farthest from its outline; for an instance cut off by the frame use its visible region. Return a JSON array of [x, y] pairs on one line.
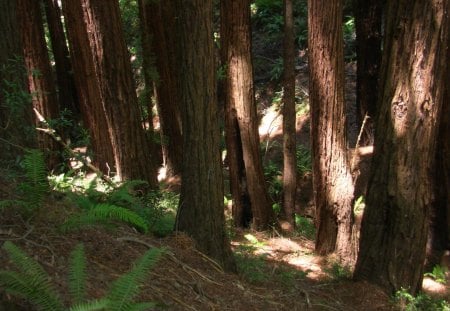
[[434, 288]]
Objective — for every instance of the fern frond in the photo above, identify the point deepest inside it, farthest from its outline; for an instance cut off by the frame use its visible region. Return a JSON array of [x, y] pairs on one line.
[[77, 274], [114, 212], [125, 289], [83, 220], [31, 282], [36, 185], [124, 194], [91, 305]]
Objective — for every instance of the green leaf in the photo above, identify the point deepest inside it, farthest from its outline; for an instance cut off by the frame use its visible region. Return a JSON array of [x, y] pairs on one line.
[[77, 274]]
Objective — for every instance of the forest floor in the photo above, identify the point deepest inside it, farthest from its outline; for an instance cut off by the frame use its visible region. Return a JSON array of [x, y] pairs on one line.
[[275, 271]]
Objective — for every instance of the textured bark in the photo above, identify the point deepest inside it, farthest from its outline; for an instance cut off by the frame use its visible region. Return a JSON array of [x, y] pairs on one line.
[[369, 35], [201, 211], [240, 100], [40, 78], [332, 180], [289, 143], [15, 105], [67, 93], [90, 100], [112, 68], [400, 193], [159, 24]]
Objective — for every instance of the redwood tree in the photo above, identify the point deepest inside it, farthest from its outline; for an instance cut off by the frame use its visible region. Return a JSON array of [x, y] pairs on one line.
[[158, 24], [242, 125], [332, 180], [111, 65], [289, 143], [40, 78], [400, 192], [201, 210]]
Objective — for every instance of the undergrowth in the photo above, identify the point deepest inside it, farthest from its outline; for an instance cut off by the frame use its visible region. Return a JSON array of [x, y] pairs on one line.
[[407, 302], [30, 282]]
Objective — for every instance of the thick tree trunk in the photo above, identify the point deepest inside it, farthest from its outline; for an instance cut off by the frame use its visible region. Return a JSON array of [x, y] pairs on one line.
[[289, 142], [368, 19], [400, 193], [67, 93], [201, 211], [240, 100], [332, 180], [88, 89], [40, 78], [159, 20], [15, 105]]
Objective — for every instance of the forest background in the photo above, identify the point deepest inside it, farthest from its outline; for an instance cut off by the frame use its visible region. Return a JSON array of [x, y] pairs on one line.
[[302, 145]]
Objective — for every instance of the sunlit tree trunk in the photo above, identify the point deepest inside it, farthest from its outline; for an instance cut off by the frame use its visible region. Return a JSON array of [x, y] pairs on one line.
[[112, 68], [40, 78], [66, 86], [159, 20], [240, 101], [90, 100], [368, 18], [400, 193], [332, 180], [289, 143], [201, 210], [15, 104]]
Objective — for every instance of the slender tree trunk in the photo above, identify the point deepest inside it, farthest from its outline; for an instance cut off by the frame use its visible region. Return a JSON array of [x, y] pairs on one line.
[[368, 52], [400, 193], [201, 210], [332, 180], [88, 89], [240, 99], [159, 20], [289, 138], [67, 94], [40, 81]]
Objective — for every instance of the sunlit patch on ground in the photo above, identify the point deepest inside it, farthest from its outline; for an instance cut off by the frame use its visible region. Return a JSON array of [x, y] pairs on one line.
[[434, 288]]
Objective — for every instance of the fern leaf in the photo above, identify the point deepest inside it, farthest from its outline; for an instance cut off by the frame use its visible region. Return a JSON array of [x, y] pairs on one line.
[[83, 220], [77, 274], [91, 305], [36, 185], [124, 194], [31, 282], [113, 212], [125, 289]]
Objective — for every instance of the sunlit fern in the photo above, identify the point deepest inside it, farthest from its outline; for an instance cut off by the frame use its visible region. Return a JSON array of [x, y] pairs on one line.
[[32, 283], [106, 214]]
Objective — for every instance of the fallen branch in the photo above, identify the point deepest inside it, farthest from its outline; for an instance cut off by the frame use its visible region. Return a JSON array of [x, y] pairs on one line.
[[52, 133]]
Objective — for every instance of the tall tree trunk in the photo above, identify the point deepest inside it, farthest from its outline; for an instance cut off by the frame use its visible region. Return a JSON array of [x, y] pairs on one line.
[[159, 20], [289, 138], [368, 19], [201, 210], [15, 105], [67, 94], [438, 237], [40, 78], [112, 68], [332, 180], [90, 99], [240, 99], [400, 193]]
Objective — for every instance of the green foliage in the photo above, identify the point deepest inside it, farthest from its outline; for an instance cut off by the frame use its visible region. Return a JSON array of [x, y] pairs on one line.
[[105, 213], [252, 268], [349, 38], [358, 206], [32, 283], [338, 272], [35, 186], [438, 274], [304, 160], [272, 175], [407, 302], [305, 227]]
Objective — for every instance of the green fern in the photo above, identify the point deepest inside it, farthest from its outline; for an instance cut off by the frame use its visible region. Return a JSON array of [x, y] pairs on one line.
[[104, 214], [30, 282], [36, 186], [126, 288], [33, 283], [77, 274]]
